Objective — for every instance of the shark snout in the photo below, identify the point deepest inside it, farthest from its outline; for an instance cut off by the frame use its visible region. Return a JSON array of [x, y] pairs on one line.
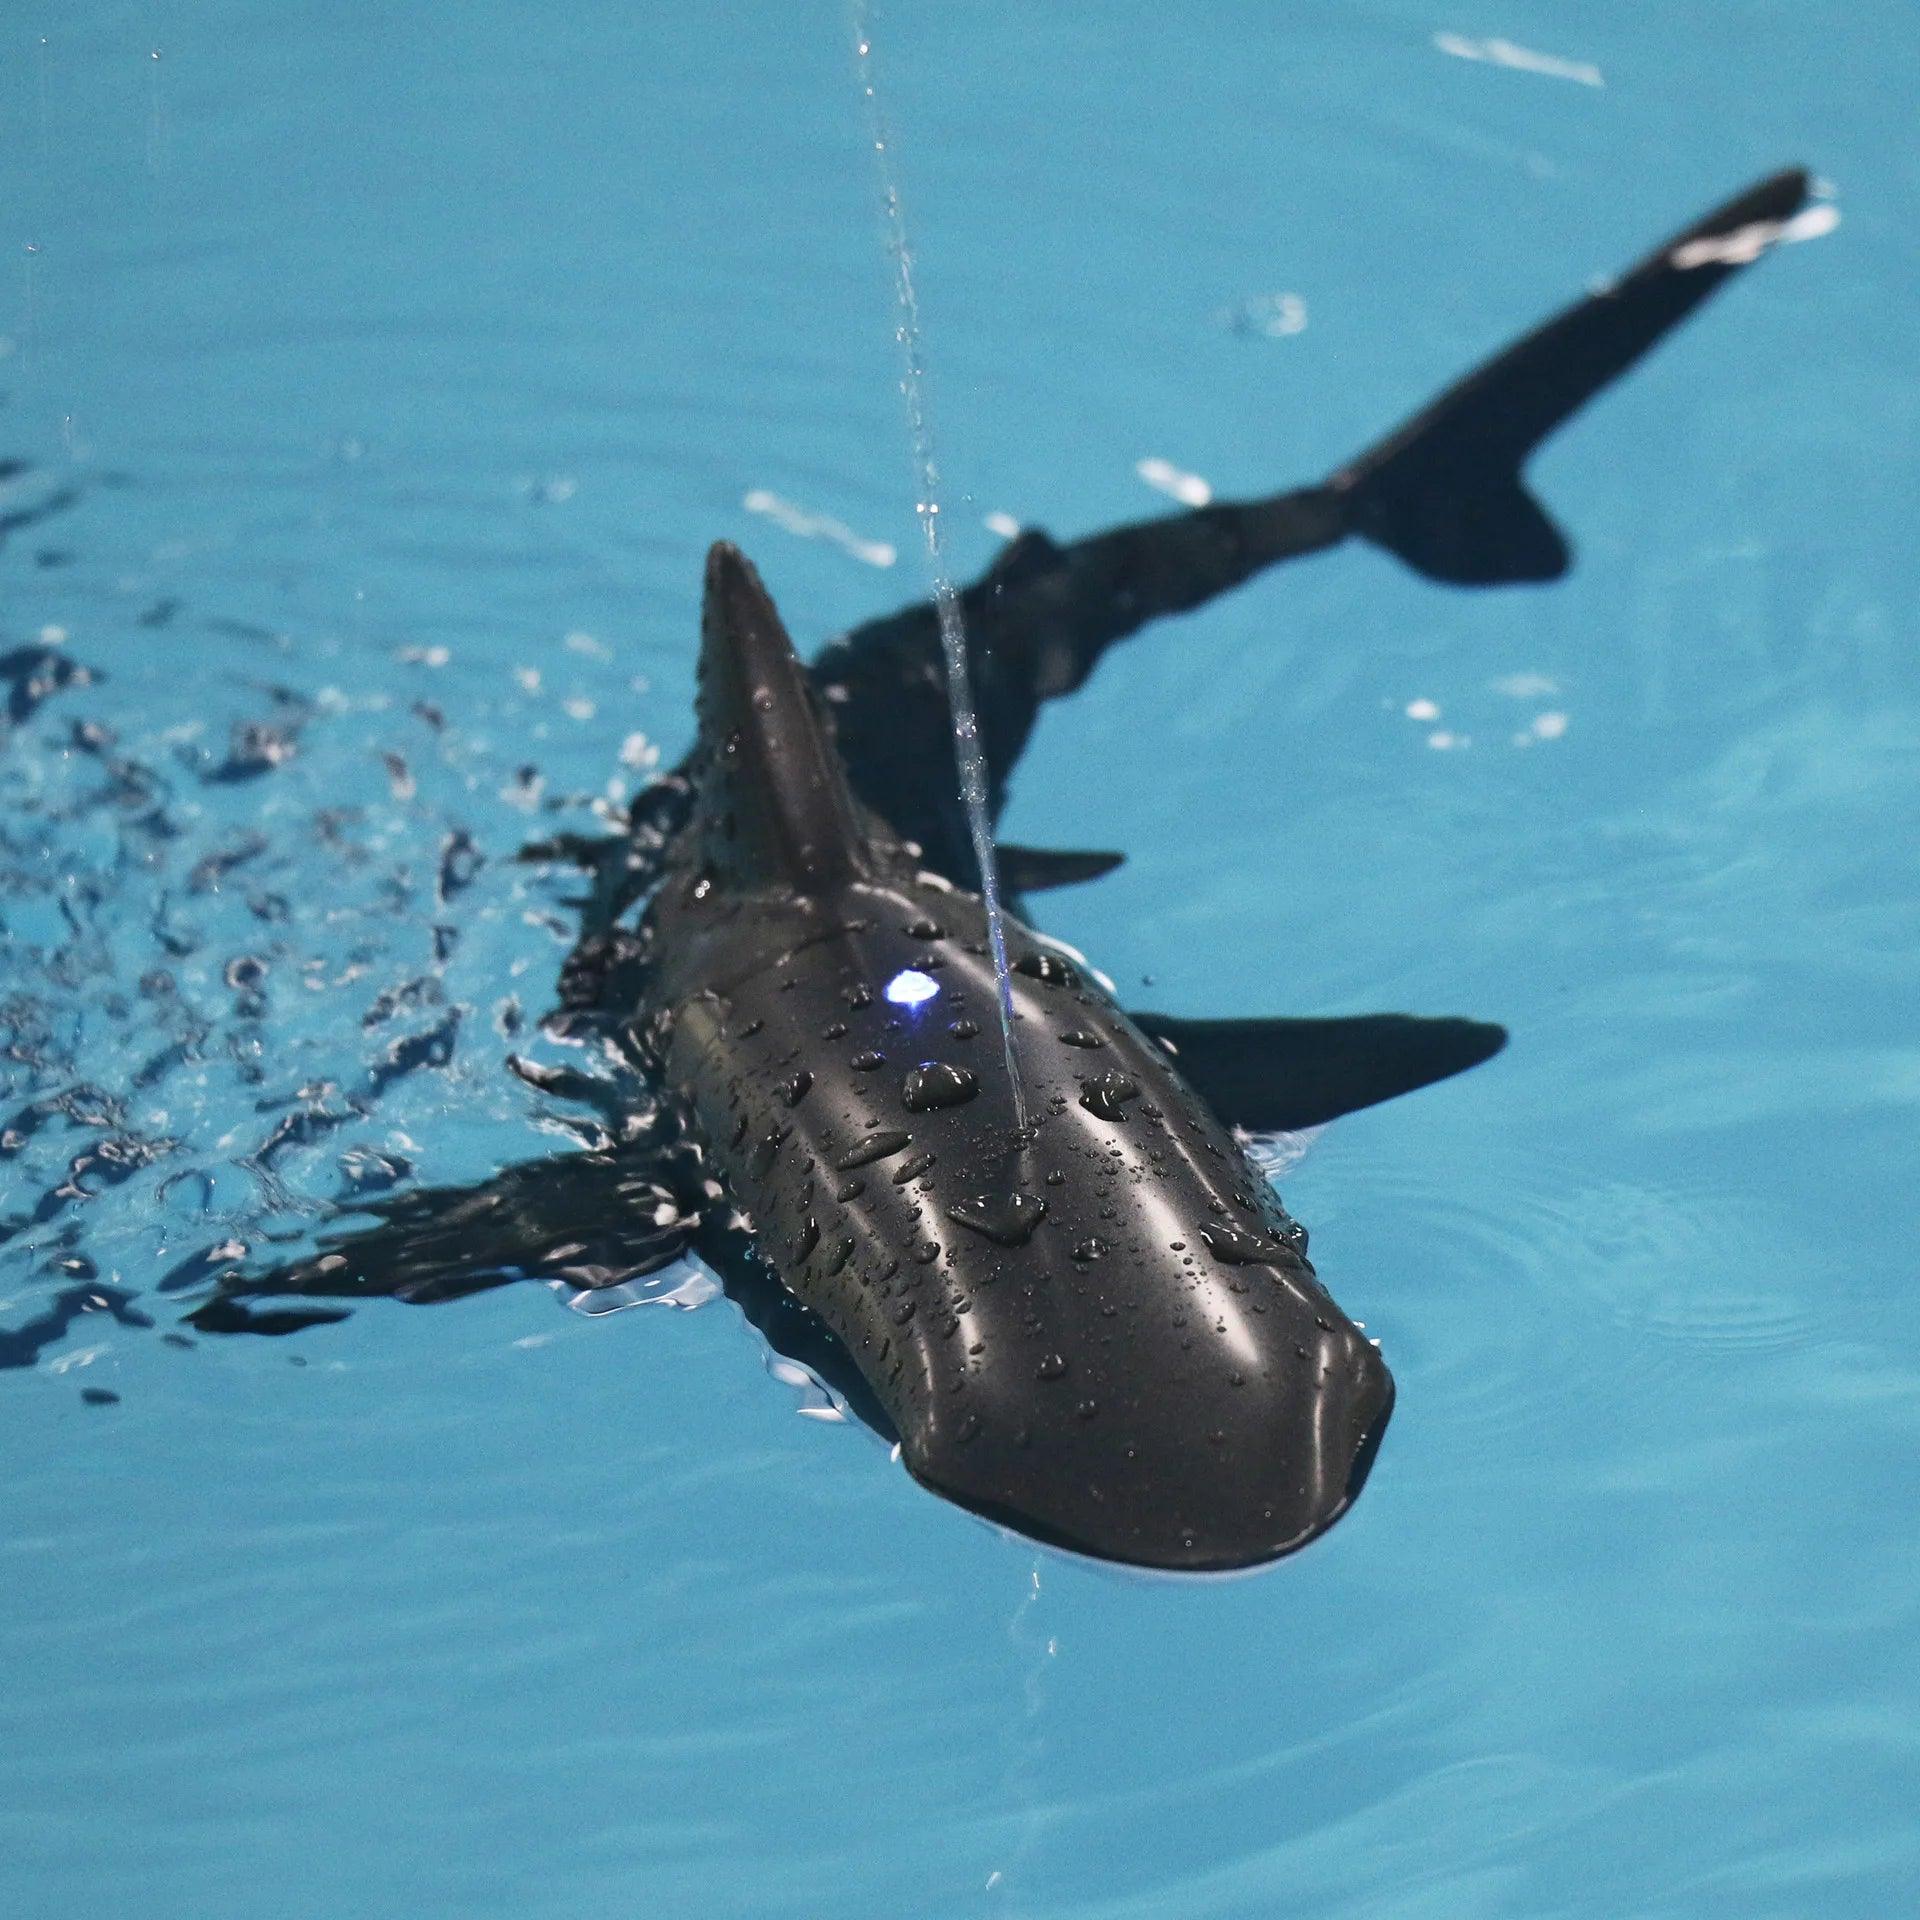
[[1182, 1466]]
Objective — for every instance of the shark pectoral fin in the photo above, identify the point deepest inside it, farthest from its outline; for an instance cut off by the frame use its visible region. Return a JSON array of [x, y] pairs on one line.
[[1034, 869], [582, 1222], [1279, 1076], [1443, 492]]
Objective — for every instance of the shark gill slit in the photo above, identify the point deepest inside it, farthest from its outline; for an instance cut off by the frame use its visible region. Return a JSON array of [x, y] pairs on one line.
[[970, 760]]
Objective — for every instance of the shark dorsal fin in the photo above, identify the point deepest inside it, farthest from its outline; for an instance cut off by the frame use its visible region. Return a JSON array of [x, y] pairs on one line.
[[774, 804]]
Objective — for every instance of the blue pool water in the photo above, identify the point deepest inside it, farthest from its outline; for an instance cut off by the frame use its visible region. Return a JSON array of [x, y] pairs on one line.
[[400, 364]]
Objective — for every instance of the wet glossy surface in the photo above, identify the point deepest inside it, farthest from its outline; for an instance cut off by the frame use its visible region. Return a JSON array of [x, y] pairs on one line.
[[396, 363]]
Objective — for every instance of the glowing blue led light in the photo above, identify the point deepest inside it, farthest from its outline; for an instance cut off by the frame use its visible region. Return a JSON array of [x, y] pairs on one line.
[[911, 988]]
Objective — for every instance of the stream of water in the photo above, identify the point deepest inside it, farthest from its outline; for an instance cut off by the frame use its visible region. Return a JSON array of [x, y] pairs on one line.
[[970, 759]]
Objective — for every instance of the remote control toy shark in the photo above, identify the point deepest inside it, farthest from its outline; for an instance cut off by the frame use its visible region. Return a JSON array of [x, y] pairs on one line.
[[1100, 1328]]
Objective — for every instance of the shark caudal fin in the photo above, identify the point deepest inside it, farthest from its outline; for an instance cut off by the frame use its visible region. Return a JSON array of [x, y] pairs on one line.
[[1445, 492], [773, 807]]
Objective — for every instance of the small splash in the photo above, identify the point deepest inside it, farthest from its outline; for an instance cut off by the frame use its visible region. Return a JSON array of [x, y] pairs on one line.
[[818, 1401], [1277, 1153]]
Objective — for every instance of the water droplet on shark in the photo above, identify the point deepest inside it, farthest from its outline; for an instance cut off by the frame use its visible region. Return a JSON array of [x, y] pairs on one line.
[[1091, 1248], [934, 1084], [1106, 1094], [795, 1089], [767, 1152], [963, 1029], [1080, 1037], [1006, 1219], [867, 1062], [1048, 968], [1234, 1247], [871, 1147], [1051, 1367], [912, 1167]]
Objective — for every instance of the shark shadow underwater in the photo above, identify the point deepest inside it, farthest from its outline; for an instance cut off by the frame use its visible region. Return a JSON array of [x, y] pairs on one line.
[[1102, 1330]]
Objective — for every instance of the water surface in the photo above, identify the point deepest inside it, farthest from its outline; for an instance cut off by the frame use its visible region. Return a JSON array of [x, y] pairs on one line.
[[383, 378]]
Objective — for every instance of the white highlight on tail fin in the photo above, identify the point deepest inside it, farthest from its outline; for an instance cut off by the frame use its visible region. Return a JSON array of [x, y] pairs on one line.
[[1744, 245]]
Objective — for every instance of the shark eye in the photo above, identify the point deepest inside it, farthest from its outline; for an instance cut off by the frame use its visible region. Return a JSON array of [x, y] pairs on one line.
[[911, 988]]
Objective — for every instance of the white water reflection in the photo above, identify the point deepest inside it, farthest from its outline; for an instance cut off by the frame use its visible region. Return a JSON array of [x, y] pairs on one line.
[[819, 526], [1506, 53], [686, 1283], [1279, 316], [1188, 488]]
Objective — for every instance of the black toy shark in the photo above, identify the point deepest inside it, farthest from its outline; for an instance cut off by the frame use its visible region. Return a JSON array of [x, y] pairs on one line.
[[1101, 1329]]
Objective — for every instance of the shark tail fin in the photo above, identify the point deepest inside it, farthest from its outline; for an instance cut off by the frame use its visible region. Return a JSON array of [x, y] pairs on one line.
[[1445, 493]]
